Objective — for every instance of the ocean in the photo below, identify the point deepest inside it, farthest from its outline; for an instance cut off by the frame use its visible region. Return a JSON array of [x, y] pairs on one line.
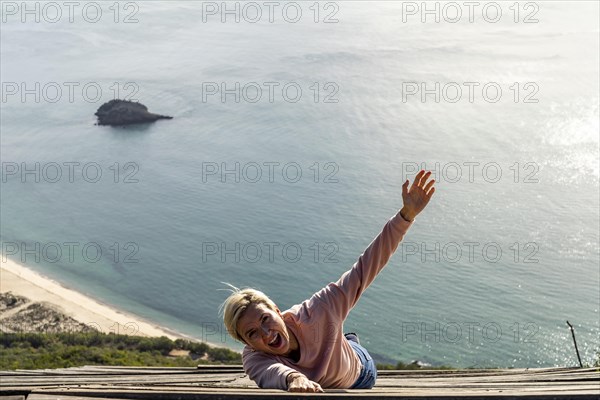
[[295, 125]]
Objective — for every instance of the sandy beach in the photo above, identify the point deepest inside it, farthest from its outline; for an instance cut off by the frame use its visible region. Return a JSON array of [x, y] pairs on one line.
[[25, 282]]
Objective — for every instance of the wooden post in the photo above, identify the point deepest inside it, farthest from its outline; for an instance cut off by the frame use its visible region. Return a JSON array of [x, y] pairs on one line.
[[575, 342]]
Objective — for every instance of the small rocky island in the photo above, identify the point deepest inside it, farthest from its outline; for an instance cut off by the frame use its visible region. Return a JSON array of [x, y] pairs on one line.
[[124, 112]]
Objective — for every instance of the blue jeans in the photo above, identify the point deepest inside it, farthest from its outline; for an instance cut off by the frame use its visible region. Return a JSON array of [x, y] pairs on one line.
[[368, 372]]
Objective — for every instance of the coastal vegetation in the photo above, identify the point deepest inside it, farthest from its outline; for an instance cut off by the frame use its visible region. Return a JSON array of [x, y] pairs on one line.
[[72, 349], [35, 335]]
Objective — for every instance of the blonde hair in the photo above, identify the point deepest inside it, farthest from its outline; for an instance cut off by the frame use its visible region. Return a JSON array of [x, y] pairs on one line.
[[236, 304]]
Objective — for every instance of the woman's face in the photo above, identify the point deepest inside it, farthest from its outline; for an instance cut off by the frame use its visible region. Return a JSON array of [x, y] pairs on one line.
[[264, 330]]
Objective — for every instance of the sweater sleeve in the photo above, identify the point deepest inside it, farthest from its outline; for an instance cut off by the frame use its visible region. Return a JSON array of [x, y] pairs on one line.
[[265, 370], [342, 295]]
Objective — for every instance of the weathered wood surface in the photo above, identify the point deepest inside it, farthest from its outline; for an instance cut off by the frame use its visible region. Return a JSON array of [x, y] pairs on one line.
[[230, 382]]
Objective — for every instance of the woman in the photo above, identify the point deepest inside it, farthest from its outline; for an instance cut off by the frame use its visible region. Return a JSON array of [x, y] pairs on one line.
[[303, 349]]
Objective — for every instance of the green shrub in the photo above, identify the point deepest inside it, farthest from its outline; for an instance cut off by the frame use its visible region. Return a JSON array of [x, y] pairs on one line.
[[62, 350]]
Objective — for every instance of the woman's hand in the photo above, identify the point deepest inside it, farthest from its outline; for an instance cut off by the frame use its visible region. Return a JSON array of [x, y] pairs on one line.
[[416, 198], [297, 382]]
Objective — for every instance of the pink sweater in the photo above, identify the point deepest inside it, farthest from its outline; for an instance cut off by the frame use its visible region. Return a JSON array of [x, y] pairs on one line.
[[325, 355]]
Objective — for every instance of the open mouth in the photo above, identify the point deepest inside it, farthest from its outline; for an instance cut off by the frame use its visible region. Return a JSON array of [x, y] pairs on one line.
[[276, 341]]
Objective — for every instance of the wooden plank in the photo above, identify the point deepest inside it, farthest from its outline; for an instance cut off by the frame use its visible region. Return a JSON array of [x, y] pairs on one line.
[[155, 375], [481, 372], [448, 386], [236, 368], [98, 369], [232, 383], [391, 381], [138, 368], [497, 377], [225, 393], [37, 396], [41, 381], [87, 370]]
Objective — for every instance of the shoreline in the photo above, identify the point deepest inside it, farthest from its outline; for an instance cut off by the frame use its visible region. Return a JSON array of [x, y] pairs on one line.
[[23, 281]]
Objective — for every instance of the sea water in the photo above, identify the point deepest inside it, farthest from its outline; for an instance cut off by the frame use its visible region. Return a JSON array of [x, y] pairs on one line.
[[291, 138]]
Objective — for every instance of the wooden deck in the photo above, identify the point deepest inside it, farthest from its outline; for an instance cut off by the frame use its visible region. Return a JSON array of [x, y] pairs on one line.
[[230, 382]]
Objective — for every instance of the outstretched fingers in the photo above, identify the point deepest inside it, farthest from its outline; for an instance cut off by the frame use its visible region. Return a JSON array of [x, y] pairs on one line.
[[421, 179], [418, 179], [429, 186]]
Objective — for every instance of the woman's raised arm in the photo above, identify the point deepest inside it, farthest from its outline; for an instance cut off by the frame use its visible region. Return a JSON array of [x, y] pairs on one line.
[[341, 296]]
